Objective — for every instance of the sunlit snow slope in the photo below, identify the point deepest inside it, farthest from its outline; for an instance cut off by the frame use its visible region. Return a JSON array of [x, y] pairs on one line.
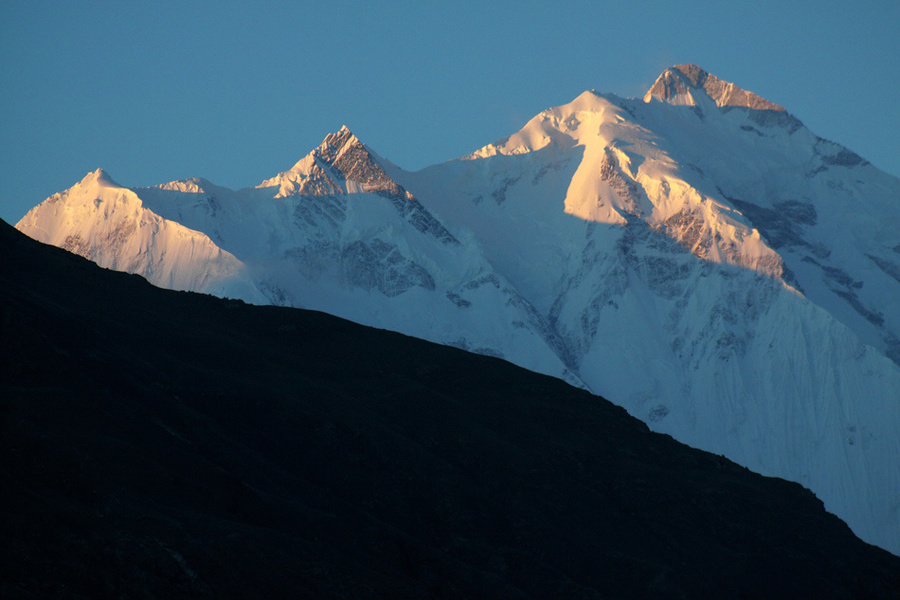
[[109, 224], [697, 256]]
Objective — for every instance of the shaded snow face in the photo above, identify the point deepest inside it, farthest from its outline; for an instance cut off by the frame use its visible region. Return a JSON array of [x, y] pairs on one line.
[[698, 257]]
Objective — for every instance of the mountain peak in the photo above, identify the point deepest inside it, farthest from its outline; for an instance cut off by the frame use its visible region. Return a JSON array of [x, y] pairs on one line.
[[341, 164], [679, 85], [98, 177], [334, 143]]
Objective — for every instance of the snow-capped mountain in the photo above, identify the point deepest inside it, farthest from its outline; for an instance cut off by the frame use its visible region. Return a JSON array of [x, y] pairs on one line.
[[697, 256], [334, 233]]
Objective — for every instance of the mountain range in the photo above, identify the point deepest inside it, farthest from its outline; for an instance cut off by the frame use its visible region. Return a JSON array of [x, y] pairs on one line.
[[697, 256]]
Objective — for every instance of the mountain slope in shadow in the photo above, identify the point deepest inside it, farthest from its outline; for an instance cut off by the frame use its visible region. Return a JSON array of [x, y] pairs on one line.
[[162, 444]]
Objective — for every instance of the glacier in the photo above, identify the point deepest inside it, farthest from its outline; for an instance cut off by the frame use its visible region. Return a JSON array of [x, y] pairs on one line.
[[697, 256]]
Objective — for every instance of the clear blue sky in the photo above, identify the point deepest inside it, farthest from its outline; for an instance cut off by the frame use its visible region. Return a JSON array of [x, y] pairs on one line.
[[238, 91]]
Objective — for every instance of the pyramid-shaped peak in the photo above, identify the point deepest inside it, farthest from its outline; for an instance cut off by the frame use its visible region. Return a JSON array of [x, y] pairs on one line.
[[679, 84], [340, 164], [341, 138], [98, 177]]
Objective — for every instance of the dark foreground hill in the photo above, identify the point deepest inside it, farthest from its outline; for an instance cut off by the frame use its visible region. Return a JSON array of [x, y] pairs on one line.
[[157, 444]]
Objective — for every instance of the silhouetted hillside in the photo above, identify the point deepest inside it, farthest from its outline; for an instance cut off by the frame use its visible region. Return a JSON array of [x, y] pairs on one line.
[[158, 444]]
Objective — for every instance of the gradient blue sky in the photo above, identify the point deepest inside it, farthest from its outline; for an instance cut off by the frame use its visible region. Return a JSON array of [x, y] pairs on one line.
[[237, 91]]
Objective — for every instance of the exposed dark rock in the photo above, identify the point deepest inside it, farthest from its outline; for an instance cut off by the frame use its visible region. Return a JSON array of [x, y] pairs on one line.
[[457, 300], [836, 155], [775, 118], [499, 193], [381, 266], [314, 211], [840, 277], [790, 278], [892, 345], [844, 158], [752, 129], [888, 267], [658, 413], [780, 225], [873, 316], [628, 191], [419, 217]]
